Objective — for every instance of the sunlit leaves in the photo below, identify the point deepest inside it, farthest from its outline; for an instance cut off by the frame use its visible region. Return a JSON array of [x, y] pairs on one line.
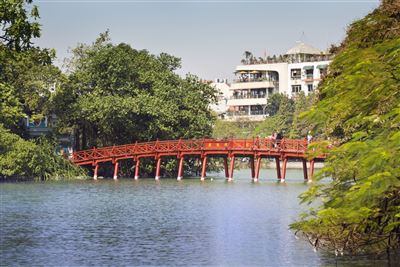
[[360, 102]]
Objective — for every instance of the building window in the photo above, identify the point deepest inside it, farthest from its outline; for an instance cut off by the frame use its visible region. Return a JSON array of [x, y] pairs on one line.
[[310, 87], [295, 73], [296, 88], [309, 73]]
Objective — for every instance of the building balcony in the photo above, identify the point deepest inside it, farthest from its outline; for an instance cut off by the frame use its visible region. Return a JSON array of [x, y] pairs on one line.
[[251, 79], [248, 96], [255, 85]]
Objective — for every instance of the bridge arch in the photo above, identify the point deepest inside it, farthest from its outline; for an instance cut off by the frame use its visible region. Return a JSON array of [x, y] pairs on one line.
[[229, 149]]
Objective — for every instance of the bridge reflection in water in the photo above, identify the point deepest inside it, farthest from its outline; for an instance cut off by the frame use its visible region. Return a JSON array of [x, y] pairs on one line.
[[255, 149]]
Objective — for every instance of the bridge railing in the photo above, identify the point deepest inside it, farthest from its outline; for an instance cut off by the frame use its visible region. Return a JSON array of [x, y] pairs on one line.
[[195, 145]]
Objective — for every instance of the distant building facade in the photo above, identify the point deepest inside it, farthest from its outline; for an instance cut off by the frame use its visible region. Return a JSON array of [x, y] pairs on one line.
[[299, 70], [223, 94]]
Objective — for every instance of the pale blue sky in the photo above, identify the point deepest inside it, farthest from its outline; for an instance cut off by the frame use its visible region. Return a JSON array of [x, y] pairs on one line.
[[209, 36]]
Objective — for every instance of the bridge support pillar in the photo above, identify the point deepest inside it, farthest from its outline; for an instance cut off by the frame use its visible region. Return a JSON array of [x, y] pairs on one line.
[[226, 167], [180, 169], [305, 173], [158, 167], [311, 170], [203, 168], [284, 170], [252, 167], [96, 169], [278, 168], [232, 167], [137, 166], [116, 165], [258, 165]]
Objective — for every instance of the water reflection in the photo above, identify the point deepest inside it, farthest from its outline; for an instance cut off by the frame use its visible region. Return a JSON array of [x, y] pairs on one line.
[[125, 223]]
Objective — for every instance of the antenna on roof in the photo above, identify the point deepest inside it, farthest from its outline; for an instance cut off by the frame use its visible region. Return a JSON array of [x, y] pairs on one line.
[[302, 37]]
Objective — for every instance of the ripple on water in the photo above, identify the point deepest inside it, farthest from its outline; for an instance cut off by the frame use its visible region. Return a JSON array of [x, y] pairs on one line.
[[126, 223]]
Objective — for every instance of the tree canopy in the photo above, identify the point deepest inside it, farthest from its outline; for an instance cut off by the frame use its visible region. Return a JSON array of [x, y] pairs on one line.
[[360, 107], [26, 75], [16, 23], [116, 94]]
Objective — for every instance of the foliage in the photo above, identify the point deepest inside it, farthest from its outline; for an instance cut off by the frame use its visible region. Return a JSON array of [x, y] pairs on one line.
[[10, 107], [274, 104], [248, 58], [281, 108], [26, 75], [116, 94], [26, 72], [32, 75], [233, 129], [17, 28], [22, 159], [360, 106], [302, 103]]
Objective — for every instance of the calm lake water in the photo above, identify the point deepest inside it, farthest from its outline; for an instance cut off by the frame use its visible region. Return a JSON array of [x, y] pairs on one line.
[[134, 223]]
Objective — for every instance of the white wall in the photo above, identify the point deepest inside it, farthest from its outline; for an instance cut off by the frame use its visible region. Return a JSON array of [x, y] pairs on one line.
[[224, 93], [302, 82]]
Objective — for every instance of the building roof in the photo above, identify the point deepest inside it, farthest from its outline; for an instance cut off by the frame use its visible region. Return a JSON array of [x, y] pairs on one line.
[[302, 48]]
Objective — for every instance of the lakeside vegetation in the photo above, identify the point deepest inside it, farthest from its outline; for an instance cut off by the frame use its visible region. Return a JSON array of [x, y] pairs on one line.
[[359, 104]]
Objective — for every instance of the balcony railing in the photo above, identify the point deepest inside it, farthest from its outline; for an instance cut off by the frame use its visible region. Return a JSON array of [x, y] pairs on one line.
[[290, 59], [249, 96], [248, 80]]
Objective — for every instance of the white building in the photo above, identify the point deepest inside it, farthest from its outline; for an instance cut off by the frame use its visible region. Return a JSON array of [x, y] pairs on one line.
[[299, 70], [224, 93]]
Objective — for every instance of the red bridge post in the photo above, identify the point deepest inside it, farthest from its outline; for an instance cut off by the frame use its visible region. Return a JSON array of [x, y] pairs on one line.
[[203, 168], [253, 173], [230, 178], [258, 165], [180, 168], [116, 164], [96, 169], [158, 165], [137, 166]]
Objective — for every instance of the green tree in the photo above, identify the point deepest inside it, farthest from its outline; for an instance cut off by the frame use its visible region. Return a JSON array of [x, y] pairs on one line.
[[303, 103], [22, 159], [24, 69], [280, 109], [10, 107], [248, 58], [17, 27], [233, 129], [116, 94], [360, 107], [274, 104]]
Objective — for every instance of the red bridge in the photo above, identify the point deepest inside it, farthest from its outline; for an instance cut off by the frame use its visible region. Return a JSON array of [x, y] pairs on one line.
[[255, 149]]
